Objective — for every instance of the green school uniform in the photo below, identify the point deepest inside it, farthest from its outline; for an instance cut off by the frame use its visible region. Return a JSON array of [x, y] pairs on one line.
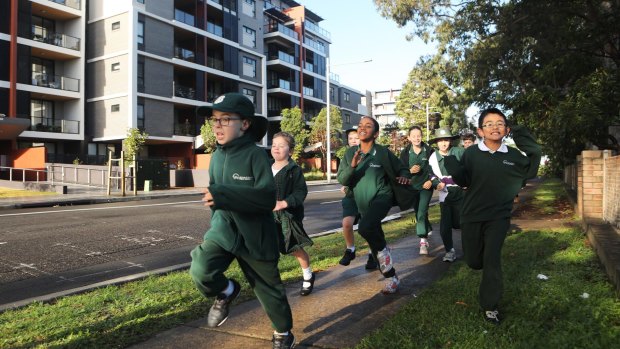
[[242, 228], [493, 179], [422, 197]]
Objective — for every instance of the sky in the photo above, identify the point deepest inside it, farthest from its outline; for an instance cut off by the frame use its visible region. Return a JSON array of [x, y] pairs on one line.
[[359, 33]]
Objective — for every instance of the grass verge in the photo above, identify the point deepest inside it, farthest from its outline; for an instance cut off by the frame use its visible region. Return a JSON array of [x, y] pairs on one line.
[[18, 193], [118, 316]]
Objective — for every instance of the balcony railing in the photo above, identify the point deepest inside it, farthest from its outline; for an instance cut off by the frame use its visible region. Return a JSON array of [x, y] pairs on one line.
[[184, 54], [314, 45], [41, 34], [271, 28], [69, 3], [42, 124], [185, 129], [215, 63], [184, 17], [280, 83], [308, 91], [215, 29], [318, 30], [184, 91], [309, 66], [55, 81]]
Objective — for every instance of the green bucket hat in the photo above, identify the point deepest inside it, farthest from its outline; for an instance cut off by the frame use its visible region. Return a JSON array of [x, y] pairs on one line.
[[239, 104], [442, 133]]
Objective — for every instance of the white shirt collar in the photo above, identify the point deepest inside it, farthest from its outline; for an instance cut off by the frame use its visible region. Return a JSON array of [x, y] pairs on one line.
[[502, 149]]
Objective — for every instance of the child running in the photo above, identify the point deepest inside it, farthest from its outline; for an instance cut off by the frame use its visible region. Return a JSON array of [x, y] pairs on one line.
[[241, 195], [350, 215], [291, 191], [450, 194], [416, 156], [493, 174], [377, 178]]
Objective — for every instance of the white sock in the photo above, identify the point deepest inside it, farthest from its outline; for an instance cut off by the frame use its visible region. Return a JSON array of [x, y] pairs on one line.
[[229, 290], [307, 272], [423, 240], [352, 248], [281, 334]]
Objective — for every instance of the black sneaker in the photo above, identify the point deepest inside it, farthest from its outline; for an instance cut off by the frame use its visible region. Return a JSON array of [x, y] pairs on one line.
[[371, 263], [307, 290], [219, 310], [347, 258], [492, 316], [283, 341]]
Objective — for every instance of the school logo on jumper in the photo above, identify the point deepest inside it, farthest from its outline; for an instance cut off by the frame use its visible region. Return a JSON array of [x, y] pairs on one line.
[[374, 165], [506, 162], [238, 177]]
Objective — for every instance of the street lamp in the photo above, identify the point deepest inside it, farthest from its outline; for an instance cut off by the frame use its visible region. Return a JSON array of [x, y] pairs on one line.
[[328, 128]]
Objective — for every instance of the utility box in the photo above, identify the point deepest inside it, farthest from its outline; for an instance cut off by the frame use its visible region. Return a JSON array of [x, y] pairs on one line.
[[148, 185], [157, 172]]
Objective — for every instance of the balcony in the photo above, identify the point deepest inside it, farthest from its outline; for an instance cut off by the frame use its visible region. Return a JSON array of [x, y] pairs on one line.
[[55, 81], [279, 83], [41, 34], [184, 91], [307, 91], [69, 3], [314, 44], [215, 29], [279, 28], [317, 30], [43, 124], [184, 17], [215, 63], [184, 54], [185, 129]]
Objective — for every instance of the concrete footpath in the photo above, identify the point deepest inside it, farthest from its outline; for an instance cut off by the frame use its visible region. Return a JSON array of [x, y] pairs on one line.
[[346, 303]]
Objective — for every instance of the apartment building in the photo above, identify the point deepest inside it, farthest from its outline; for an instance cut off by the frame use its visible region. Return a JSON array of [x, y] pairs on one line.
[[148, 64], [384, 105], [42, 90]]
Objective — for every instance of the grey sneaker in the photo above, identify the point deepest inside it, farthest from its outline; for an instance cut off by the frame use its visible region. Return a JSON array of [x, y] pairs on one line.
[[385, 260], [450, 256], [423, 247], [283, 341], [219, 310]]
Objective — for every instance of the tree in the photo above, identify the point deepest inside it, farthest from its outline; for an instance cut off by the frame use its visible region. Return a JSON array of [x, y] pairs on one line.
[[553, 66], [319, 127], [208, 137], [293, 123], [133, 142]]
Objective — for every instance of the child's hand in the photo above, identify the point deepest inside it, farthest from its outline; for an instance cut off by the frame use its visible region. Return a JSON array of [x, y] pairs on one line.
[[344, 189], [357, 157], [280, 205], [427, 185], [414, 169], [403, 180], [441, 185], [208, 198]]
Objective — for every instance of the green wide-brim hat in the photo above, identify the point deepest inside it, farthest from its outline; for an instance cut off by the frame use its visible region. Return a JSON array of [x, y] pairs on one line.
[[239, 104], [442, 133]]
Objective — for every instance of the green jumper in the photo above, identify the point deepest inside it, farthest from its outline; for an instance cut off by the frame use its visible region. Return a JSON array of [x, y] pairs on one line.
[[421, 197], [493, 179], [291, 187], [243, 228], [375, 190]]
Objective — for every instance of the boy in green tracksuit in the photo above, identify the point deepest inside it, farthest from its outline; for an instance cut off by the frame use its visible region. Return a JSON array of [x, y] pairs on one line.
[[416, 156], [378, 179], [493, 174], [242, 196], [450, 194]]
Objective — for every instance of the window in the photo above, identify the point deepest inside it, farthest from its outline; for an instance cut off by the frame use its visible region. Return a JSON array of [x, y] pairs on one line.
[[249, 37], [116, 25], [141, 1], [116, 66], [140, 38], [249, 8], [251, 94], [140, 115], [347, 118], [249, 67], [140, 73], [331, 92], [347, 97], [115, 108]]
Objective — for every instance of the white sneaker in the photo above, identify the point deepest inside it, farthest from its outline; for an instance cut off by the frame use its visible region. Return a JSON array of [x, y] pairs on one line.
[[450, 256], [391, 285], [430, 233], [423, 247], [385, 260]]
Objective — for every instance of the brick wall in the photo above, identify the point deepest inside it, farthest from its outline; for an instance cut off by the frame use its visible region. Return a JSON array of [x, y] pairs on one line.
[[596, 178]]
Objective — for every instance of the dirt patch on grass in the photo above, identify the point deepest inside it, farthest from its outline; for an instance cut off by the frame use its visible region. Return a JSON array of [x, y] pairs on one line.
[[561, 208]]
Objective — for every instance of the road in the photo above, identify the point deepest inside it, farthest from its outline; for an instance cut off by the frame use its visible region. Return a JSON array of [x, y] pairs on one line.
[[48, 250]]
